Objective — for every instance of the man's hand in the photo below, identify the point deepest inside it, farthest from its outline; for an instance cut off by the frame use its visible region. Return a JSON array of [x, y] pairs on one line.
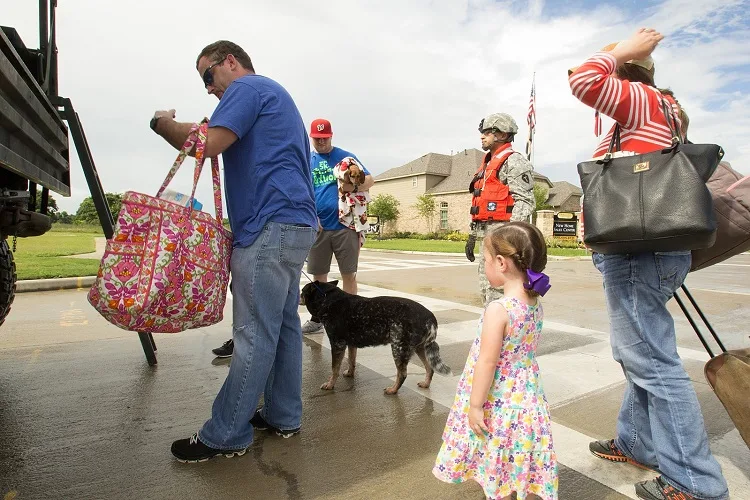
[[470, 247], [161, 114], [165, 113]]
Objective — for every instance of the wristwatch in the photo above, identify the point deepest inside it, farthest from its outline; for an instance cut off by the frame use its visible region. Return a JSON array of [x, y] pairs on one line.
[[153, 121]]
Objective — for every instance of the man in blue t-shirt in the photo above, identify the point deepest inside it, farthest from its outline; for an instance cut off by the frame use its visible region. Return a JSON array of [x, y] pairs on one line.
[[334, 238], [267, 180]]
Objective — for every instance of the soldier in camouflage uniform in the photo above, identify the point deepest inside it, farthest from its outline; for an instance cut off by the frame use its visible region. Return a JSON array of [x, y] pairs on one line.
[[498, 130]]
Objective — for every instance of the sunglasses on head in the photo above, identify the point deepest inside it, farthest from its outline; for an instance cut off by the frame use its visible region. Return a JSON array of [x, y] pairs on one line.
[[208, 77]]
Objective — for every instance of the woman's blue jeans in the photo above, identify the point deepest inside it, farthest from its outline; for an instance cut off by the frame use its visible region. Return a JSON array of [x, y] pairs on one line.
[[660, 422]]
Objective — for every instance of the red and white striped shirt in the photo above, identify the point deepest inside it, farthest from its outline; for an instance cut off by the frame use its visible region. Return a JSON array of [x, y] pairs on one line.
[[634, 105]]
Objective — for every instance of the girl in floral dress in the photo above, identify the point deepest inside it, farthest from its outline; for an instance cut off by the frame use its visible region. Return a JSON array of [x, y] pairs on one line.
[[498, 430]]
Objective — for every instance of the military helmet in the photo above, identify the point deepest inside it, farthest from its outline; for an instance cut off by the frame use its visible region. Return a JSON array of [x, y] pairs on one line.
[[503, 122]]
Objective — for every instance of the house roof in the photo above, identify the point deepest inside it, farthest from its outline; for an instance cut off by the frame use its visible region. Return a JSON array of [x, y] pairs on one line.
[[463, 167], [457, 170], [561, 191], [431, 163]]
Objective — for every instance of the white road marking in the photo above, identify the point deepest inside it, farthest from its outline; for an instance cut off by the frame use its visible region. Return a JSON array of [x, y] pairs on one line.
[[720, 291]]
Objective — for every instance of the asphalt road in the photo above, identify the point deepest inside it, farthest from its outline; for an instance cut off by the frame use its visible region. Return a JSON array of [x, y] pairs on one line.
[[83, 416]]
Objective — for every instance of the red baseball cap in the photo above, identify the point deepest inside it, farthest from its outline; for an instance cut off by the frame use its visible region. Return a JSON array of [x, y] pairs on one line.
[[320, 128]]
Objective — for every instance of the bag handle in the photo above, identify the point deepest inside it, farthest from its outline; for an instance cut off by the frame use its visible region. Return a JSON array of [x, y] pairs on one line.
[[181, 155], [200, 159], [614, 143], [197, 139], [671, 122]]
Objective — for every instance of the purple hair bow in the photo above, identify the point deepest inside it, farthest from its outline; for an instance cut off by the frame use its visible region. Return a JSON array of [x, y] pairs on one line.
[[539, 282]]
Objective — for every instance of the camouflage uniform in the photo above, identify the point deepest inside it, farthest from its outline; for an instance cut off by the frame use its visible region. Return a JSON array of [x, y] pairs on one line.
[[518, 174]]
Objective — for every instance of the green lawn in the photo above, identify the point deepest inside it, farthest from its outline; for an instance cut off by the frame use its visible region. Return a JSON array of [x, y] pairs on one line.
[[42, 256], [449, 246]]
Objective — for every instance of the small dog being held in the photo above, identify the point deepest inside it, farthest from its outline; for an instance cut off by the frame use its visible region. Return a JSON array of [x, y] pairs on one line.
[[352, 204], [353, 321]]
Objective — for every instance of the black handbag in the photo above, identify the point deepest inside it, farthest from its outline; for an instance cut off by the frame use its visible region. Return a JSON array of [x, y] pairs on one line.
[[653, 202]]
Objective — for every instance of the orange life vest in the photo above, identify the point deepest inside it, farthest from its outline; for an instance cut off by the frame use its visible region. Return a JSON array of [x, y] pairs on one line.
[[491, 199]]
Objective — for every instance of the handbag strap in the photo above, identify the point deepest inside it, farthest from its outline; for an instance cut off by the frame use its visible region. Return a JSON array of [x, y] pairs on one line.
[[674, 129], [183, 153], [614, 143], [200, 159], [197, 139]]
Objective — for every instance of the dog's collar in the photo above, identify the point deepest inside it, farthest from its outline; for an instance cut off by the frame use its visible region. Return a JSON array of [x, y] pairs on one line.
[[313, 283]]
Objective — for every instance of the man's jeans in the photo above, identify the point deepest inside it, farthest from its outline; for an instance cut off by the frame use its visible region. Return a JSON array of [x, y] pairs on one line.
[[660, 422], [267, 338]]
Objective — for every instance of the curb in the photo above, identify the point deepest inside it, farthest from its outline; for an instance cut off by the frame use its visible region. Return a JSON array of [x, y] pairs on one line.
[[414, 252], [53, 284]]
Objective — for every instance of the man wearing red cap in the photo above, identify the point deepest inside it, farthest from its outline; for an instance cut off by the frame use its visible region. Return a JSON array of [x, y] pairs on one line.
[[333, 237]]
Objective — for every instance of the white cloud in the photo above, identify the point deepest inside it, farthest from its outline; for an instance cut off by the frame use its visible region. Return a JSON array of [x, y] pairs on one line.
[[397, 79]]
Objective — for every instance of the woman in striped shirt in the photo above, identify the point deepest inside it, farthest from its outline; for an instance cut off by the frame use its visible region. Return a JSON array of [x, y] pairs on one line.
[[660, 425]]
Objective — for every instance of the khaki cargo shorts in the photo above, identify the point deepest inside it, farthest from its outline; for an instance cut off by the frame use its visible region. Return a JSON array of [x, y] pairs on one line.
[[342, 243]]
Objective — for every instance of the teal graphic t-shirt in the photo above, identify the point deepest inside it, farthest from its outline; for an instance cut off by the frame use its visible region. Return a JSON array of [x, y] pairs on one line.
[[326, 187]]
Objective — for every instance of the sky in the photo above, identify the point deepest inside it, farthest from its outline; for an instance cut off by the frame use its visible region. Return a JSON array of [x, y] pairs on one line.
[[397, 79]]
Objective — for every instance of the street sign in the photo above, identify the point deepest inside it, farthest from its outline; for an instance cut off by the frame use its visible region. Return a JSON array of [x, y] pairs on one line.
[[565, 225], [374, 222]]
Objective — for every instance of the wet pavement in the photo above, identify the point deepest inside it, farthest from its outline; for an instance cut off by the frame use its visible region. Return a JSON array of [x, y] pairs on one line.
[[83, 416]]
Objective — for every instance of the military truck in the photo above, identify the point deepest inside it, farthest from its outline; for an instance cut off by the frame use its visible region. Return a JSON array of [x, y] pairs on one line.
[[34, 150]]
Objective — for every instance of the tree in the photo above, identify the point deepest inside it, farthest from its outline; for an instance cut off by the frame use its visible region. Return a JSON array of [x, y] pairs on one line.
[[426, 209], [385, 207], [63, 218], [541, 194], [86, 213]]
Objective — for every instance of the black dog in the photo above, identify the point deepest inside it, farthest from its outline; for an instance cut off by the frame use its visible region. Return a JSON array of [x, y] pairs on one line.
[[353, 321]]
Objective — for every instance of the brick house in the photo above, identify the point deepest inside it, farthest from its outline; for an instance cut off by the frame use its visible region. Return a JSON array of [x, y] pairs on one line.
[[565, 197], [447, 178]]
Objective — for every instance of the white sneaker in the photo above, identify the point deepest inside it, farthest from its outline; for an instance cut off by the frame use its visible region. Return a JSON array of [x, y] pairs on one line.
[[312, 327]]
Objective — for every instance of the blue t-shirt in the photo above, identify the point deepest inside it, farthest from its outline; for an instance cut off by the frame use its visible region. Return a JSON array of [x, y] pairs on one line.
[[267, 170], [326, 186]]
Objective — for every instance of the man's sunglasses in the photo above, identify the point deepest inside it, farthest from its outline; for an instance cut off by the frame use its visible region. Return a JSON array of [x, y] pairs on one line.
[[208, 77], [483, 130]]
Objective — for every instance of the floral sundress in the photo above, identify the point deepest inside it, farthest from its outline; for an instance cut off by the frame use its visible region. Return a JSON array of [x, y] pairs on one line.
[[517, 453]]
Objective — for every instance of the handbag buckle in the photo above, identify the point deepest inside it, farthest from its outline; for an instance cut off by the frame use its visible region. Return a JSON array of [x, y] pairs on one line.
[[641, 167]]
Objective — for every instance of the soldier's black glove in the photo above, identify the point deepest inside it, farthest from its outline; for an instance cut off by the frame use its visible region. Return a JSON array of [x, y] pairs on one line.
[[470, 247]]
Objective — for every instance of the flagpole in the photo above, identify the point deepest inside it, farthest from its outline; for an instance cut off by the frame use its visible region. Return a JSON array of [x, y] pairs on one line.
[[532, 128]]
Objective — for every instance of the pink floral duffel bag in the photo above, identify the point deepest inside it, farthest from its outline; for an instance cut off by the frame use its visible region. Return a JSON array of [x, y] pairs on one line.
[[167, 267]]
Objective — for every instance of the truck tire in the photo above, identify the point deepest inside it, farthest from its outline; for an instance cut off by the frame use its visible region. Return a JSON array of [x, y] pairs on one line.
[[7, 280]]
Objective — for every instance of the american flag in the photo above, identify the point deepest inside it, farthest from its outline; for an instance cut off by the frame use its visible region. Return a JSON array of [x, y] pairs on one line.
[[531, 118]]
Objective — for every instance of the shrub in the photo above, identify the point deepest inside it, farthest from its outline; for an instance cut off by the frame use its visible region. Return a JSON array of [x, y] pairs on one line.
[[558, 243], [400, 235], [455, 236]]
